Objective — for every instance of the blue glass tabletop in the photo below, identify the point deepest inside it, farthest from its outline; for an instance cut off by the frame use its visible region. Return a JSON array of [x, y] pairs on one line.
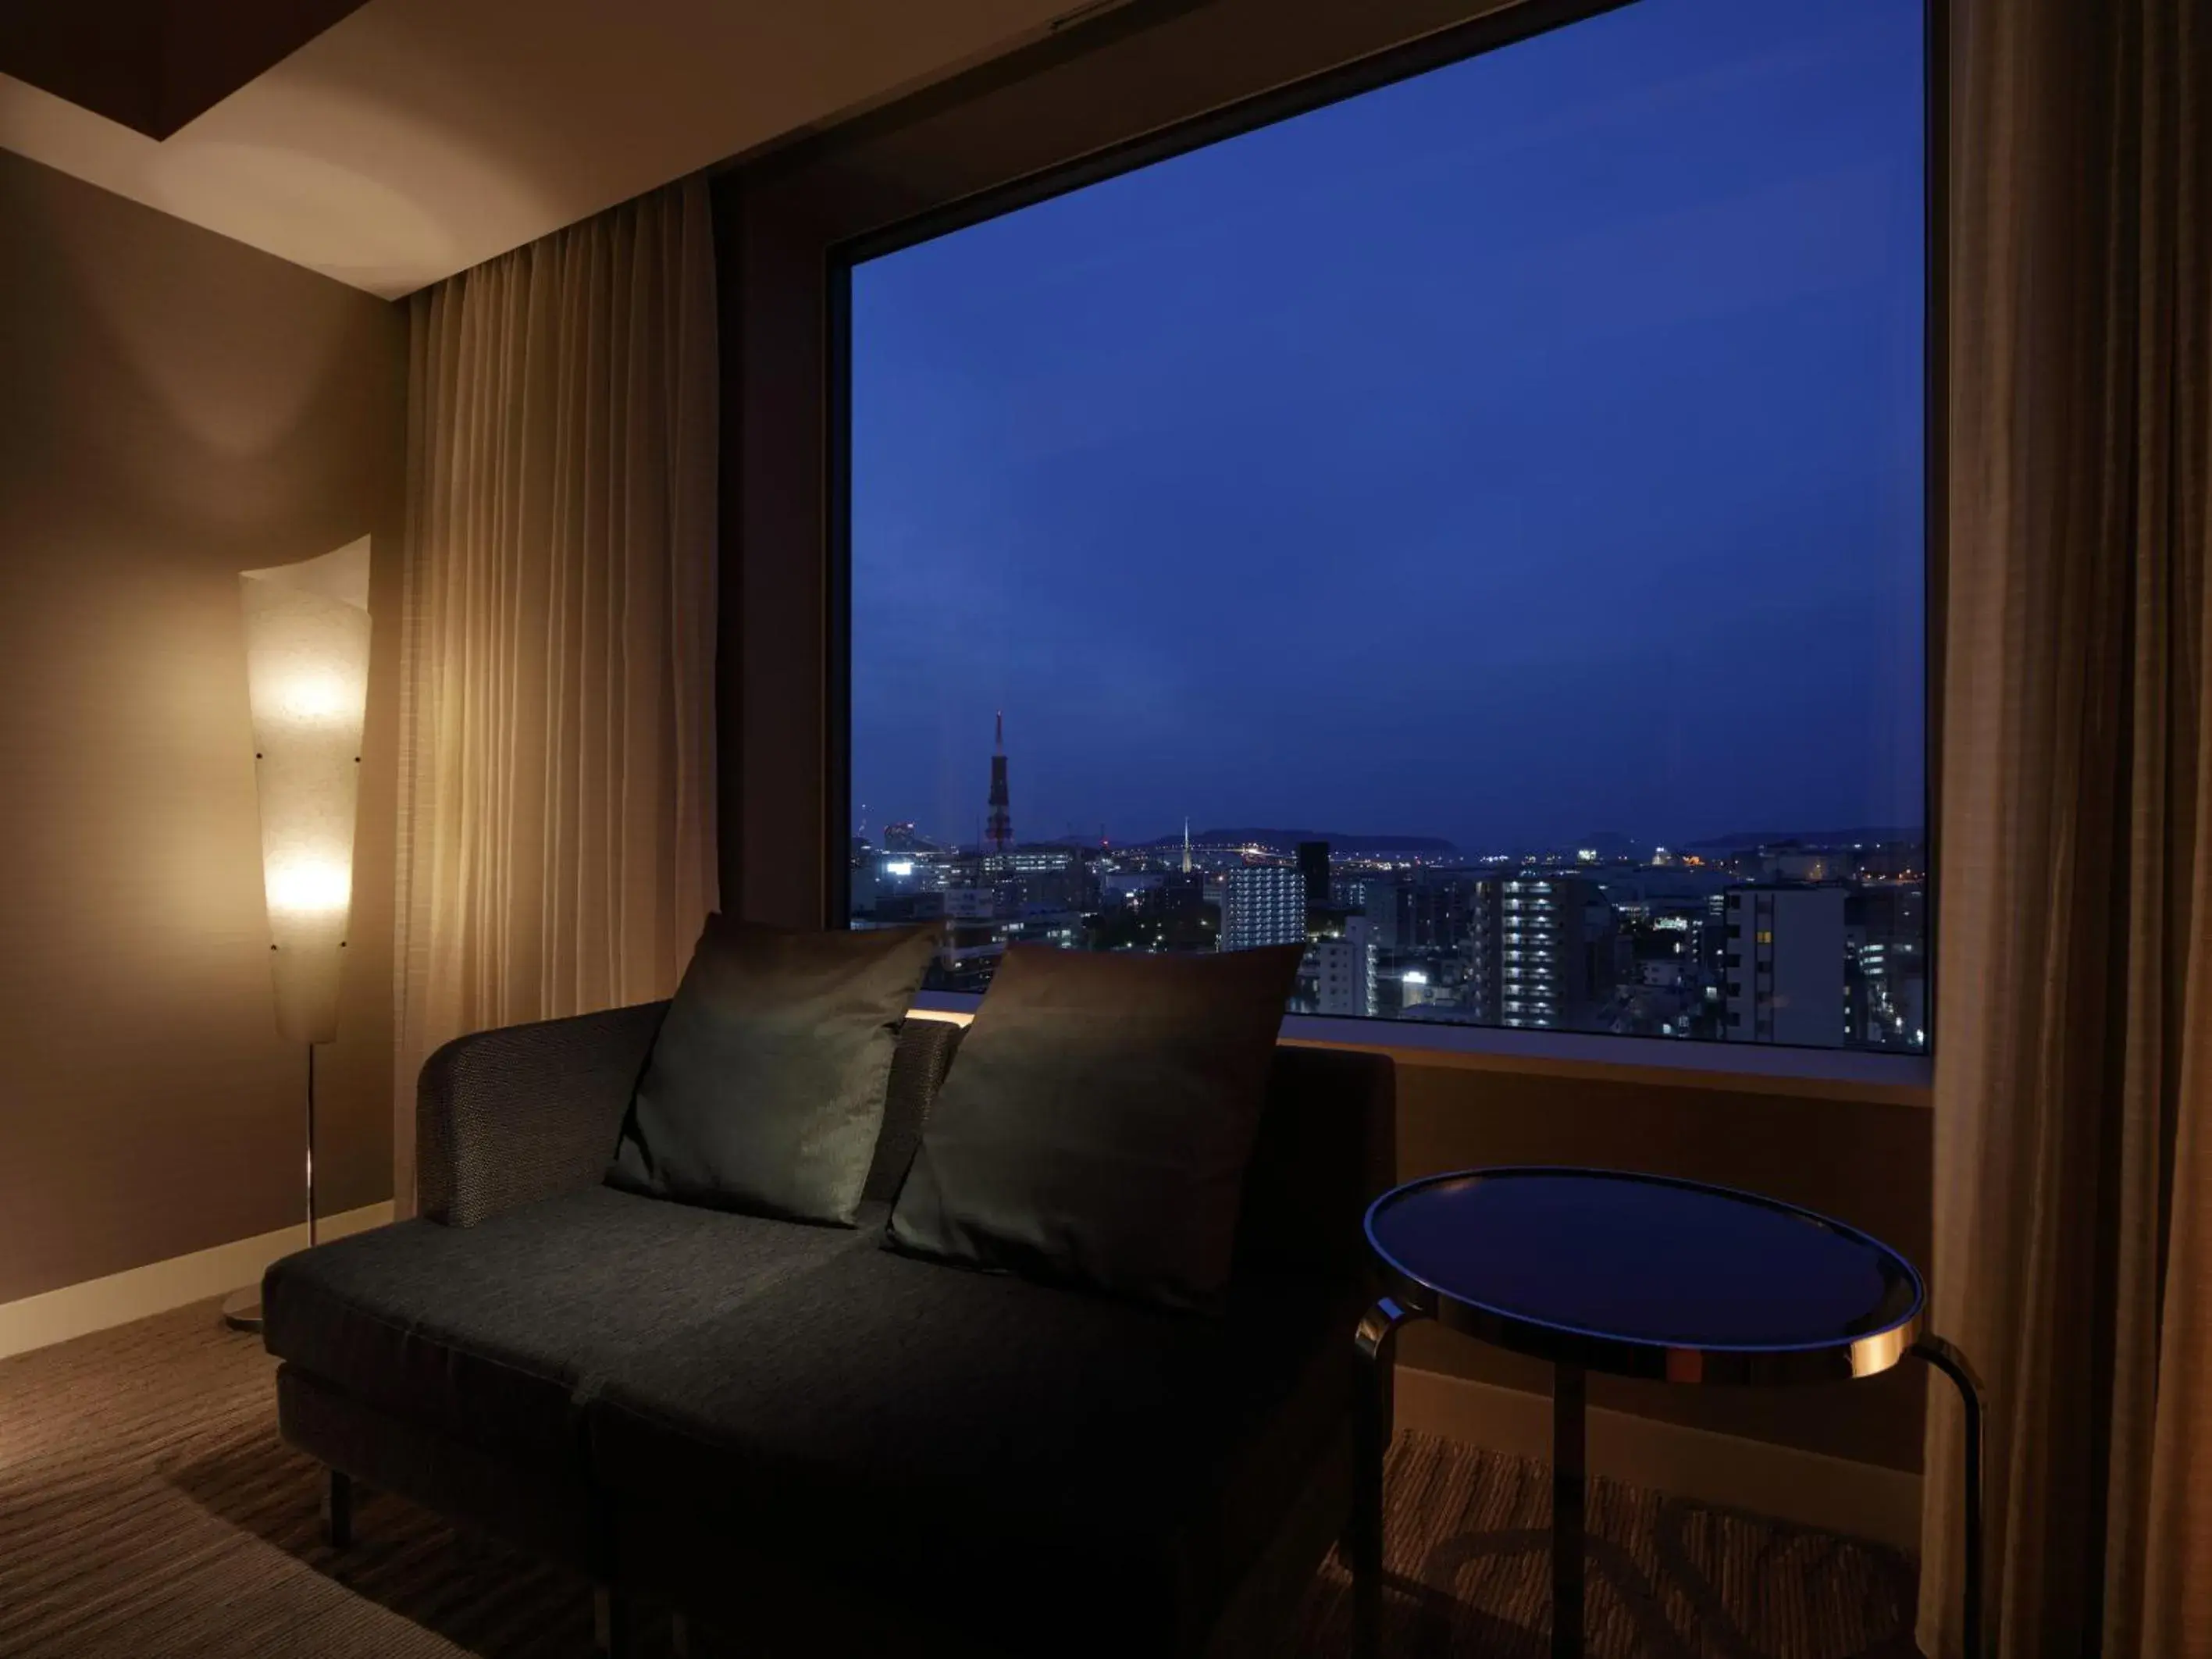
[[1644, 1275]]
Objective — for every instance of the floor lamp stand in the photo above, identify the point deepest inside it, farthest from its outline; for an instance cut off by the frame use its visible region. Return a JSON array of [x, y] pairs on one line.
[[241, 1310]]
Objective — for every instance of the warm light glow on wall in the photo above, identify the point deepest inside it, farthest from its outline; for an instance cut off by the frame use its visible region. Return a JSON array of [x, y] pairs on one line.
[[307, 669]]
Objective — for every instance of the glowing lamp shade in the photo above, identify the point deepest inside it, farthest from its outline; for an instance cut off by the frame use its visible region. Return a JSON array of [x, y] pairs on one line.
[[307, 674]]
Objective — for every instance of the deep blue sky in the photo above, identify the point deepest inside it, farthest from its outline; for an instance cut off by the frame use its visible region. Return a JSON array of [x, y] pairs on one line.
[[1527, 449]]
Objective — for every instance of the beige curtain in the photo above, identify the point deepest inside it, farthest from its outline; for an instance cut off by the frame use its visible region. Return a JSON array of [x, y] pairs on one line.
[[557, 791], [2073, 1150]]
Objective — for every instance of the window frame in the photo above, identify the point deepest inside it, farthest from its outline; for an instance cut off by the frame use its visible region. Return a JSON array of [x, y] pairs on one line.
[[1488, 30]]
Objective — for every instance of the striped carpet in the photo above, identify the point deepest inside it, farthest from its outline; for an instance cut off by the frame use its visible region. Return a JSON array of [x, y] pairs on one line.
[[148, 1508]]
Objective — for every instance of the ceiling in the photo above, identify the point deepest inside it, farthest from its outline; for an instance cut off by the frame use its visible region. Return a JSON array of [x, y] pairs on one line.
[[414, 138], [155, 64]]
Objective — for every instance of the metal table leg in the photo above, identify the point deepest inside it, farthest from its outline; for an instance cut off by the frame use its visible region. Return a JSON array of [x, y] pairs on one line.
[[1567, 1481], [1376, 1341], [1947, 1359]]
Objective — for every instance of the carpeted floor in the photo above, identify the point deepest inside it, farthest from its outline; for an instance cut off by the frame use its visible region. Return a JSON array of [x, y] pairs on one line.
[[146, 1507]]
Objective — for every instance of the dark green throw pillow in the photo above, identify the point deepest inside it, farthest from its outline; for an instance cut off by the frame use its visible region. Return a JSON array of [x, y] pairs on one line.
[[764, 1091], [1096, 1125]]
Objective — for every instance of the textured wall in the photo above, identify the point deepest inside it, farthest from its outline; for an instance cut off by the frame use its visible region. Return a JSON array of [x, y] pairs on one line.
[[174, 408]]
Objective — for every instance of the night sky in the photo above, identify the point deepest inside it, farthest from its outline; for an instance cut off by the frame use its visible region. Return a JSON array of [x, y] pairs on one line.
[[1525, 450]]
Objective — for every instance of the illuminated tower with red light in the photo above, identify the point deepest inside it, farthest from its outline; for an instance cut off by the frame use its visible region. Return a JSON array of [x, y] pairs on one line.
[[998, 831]]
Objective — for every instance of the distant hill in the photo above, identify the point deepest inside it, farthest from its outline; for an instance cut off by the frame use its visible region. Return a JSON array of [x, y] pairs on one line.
[[1286, 841], [1864, 835]]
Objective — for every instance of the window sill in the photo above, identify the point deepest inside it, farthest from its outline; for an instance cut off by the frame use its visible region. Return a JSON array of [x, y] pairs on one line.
[[1744, 1067]]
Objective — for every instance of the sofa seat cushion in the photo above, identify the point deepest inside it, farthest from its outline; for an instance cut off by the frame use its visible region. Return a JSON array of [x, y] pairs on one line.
[[984, 1447], [498, 1333]]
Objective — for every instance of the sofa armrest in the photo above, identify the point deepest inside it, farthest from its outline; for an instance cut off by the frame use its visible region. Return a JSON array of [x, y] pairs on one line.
[[1325, 1150], [504, 1118]]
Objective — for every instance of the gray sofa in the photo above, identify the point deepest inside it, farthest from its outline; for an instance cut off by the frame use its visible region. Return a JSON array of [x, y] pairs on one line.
[[791, 1433]]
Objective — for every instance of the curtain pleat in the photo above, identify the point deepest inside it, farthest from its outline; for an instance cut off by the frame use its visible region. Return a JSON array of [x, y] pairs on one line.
[[558, 845], [2073, 1164]]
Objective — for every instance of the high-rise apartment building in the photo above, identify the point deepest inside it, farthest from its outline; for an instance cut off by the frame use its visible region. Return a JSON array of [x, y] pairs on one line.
[[1433, 910], [1031, 878], [1783, 965], [1425, 910], [1373, 895], [1313, 865], [1178, 894], [1342, 968], [1529, 947], [1262, 904], [1886, 975]]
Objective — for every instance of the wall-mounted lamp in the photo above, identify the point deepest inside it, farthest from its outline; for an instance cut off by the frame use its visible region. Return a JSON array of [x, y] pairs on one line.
[[307, 674]]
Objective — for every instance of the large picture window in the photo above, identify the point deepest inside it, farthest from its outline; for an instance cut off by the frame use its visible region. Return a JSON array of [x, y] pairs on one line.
[[1475, 527]]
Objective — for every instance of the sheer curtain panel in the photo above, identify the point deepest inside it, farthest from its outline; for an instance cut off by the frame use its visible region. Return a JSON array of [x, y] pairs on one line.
[[556, 849], [2073, 1149]]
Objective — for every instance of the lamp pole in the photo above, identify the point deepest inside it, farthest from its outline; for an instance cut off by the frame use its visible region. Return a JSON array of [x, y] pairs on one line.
[[241, 1310], [311, 1145]]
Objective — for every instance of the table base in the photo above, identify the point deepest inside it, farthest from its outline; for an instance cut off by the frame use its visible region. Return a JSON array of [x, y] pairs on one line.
[[1568, 1445], [1376, 1341]]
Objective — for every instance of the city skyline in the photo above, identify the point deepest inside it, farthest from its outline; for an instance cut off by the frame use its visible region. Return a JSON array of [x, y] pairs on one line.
[[996, 830], [1363, 842], [1822, 944], [1528, 449]]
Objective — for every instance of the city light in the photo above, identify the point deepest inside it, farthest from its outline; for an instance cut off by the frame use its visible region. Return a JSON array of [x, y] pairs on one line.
[[1730, 949]]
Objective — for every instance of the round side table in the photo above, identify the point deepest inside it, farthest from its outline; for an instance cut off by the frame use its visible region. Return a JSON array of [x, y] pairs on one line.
[[1633, 1275]]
